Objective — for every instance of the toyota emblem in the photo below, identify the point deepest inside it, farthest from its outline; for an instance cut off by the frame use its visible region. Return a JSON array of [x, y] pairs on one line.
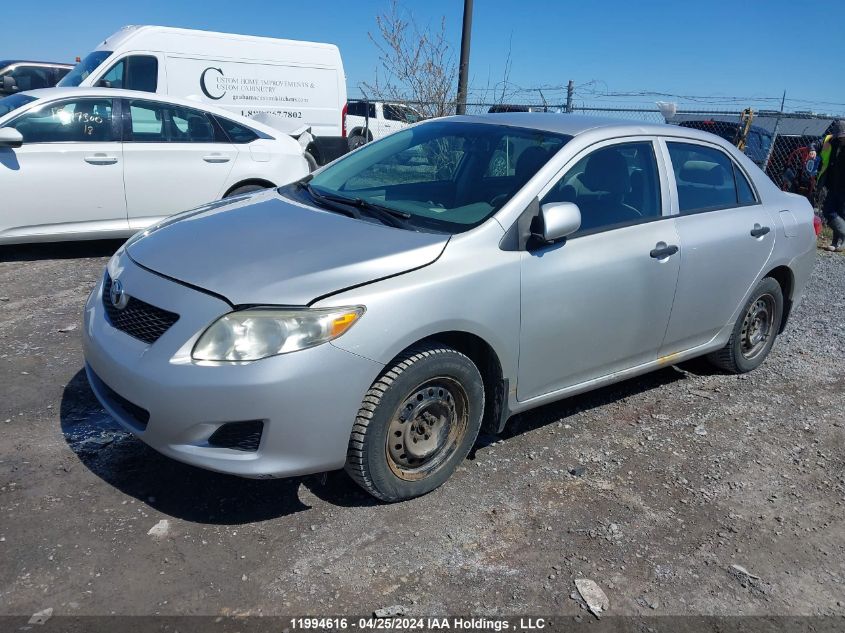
[[118, 297]]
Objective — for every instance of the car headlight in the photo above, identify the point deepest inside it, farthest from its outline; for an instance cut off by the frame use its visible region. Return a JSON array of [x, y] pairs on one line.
[[260, 332]]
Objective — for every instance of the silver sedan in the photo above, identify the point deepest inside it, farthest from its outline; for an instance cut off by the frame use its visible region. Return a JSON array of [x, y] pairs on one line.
[[378, 314]]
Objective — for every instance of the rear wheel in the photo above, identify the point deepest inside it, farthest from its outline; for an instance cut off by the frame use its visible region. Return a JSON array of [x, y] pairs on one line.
[[312, 162], [355, 141], [244, 189], [417, 422], [755, 330]]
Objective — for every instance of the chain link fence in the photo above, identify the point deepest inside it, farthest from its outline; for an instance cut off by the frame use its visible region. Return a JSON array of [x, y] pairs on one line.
[[785, 145]]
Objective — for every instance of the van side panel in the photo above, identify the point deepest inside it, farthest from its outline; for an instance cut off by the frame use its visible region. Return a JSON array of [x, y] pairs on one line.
[[299, 95], [302, 82]]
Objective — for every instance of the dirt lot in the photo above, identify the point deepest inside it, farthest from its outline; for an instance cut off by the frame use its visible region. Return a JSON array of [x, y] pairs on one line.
[[653, 488]]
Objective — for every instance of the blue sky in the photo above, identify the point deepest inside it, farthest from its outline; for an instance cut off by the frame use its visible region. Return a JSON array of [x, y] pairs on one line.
[[749, 49]]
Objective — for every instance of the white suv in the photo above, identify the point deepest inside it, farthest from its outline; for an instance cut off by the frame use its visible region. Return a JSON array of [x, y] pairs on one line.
[[89, 163], [370, 120]]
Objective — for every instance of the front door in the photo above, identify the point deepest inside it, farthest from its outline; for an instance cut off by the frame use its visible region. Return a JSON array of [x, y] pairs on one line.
[[726, 237], [174, 161], [67, 177], [599, 302]]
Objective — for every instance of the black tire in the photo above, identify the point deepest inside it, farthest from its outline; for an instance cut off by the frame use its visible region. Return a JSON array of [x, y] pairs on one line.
[[755, 330], [355, 141], [244, 189], [312, 162], [429, 404]]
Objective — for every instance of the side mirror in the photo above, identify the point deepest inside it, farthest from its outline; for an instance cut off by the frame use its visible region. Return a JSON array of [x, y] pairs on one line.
[[104, 83], [557, 220], [10, 137], [9, 85]]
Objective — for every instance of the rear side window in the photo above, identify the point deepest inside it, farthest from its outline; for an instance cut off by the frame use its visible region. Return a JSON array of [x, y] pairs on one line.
[[78, 120], [360, 108], [237, 133], [136, 72], [704, 177], [153, 122], [744, 192]]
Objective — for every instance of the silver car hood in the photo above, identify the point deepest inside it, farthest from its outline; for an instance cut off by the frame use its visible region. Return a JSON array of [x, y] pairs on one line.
[[267, 249]]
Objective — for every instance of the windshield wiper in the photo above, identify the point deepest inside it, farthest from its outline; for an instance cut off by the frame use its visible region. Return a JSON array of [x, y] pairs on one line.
[[385, 215], [331, 202]]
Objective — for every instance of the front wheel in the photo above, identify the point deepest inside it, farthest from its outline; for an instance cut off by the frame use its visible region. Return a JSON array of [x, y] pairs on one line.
[[754, 332], [417, 422]]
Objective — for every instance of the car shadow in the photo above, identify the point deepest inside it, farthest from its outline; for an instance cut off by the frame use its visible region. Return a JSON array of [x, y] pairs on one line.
[[562, 409], [168, 486], [58, 250], [202, 496]]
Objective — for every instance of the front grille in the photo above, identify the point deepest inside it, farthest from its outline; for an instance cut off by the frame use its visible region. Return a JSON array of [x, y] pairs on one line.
[[241, 436], [139, 417], [138, 319]]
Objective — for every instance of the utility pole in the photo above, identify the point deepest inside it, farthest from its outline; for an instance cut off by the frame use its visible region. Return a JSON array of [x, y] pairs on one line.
[[570, 92], [463, 71]]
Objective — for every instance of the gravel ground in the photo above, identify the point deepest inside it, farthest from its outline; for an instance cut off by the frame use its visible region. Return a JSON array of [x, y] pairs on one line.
[[655, 488]]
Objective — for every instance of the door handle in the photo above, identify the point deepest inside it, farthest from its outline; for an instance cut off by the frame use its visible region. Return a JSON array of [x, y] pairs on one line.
[[662, 251], [759, 231], [101, 159], [216, 158]]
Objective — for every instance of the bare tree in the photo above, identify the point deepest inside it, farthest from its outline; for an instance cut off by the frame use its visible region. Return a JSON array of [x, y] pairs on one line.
[[417, 64]]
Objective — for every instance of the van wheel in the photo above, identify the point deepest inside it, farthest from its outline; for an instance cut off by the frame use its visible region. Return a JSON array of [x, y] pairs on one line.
[[244, 189], [754, 332], [417, 422], [356, 141], [312, 162]]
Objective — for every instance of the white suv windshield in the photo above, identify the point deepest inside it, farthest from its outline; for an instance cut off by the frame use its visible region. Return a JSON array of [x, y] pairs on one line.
[[84, 68], [445, 175]]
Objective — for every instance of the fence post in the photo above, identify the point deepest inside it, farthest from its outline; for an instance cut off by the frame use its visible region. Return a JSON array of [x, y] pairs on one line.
[[774, 134], [570, 91]]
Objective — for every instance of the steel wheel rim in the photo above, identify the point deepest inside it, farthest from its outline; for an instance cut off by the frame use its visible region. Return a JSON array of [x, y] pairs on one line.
[[757, 326], [427, 428]]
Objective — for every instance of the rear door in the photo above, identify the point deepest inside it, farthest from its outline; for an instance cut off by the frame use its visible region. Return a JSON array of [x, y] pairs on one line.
[[726, 238], [175, 159]]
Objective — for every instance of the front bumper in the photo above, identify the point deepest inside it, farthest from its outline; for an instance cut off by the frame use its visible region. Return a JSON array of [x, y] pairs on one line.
[[307, 400]]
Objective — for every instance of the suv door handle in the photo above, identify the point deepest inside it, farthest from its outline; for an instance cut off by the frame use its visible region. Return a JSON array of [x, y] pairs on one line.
[[759, 231], [101, 159], [662, 251], [215, 158]]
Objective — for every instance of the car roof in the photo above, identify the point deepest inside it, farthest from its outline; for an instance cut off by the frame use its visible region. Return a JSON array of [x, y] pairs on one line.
[[575, 124], [72, 91], [9, 62]]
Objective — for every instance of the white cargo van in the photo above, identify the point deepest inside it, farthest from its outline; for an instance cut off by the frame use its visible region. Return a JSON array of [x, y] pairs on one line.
[[288, 84]]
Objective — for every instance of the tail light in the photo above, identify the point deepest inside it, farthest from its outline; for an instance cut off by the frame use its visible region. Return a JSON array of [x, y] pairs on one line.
[[343, 120]]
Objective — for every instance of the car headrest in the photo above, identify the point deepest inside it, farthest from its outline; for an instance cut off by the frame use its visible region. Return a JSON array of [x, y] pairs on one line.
[[702, 172], [607, 170], [531, 159]]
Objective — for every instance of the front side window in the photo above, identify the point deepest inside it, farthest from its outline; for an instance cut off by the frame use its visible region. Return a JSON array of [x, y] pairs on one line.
[[439, 172], [84, 68], [154, 122], [704, 177], [80, 120], [136, 72], [613, 186]]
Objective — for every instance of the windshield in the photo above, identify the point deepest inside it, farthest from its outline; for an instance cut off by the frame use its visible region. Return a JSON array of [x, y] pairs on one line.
[[13, 102], [442, 175], [84, 68]]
